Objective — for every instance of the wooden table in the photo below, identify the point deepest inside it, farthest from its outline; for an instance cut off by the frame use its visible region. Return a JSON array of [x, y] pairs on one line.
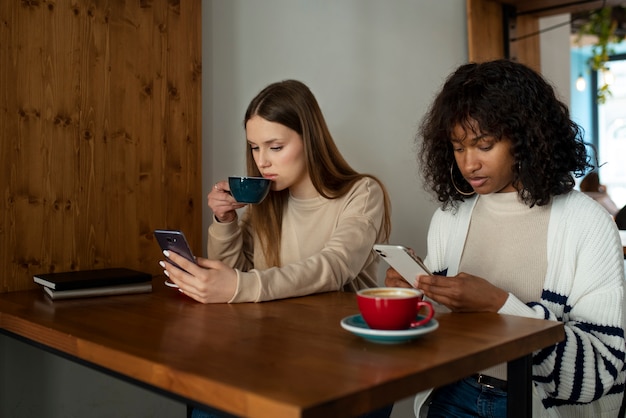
[[286, 358]]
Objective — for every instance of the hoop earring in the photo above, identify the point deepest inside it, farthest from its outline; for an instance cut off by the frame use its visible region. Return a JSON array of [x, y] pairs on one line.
[[472, 193]]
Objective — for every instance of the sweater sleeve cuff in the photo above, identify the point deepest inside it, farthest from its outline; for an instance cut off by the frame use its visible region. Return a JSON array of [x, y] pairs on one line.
[[248, 287], [514, 306], [223, 230]]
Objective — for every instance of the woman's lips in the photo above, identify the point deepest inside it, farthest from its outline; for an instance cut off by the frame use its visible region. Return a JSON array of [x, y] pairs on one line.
[[476, 182]]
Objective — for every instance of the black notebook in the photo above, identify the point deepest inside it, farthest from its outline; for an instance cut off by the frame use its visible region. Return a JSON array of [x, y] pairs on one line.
[[83, 279], [119, 289]]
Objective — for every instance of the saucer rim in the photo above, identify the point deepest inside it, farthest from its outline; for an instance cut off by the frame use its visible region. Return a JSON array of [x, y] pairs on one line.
[[430, 326]]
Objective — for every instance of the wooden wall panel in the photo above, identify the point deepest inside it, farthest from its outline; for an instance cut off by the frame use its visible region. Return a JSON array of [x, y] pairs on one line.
[[486, 34], [526, 49], [100, 133]]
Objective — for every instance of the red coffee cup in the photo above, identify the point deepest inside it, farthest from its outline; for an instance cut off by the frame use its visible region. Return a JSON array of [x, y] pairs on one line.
[[393, 308]]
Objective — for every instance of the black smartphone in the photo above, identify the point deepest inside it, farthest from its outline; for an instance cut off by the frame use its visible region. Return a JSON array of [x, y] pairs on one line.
[[174, 240]]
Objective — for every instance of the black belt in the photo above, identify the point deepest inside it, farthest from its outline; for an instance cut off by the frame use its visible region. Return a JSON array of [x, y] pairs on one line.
[[490, 382]]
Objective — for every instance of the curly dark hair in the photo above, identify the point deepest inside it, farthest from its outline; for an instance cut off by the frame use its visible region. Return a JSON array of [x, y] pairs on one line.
[[507, 100]]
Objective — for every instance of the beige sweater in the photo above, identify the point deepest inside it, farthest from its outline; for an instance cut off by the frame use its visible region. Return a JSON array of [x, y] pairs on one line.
[[326, 246], [507, 244]]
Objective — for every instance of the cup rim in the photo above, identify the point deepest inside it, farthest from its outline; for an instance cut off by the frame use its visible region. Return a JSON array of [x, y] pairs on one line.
[[414, 292], [248, 178]]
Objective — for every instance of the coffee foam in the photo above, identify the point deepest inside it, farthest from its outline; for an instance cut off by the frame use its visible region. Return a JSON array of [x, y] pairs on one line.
[[389, 293]]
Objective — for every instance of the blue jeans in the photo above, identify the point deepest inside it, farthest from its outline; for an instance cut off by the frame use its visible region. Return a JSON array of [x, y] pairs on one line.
[[379, 413], [199, 413], [467, 399]]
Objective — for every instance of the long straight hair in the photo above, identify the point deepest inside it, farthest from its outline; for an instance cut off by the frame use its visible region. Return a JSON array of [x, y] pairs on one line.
[[292, 104]]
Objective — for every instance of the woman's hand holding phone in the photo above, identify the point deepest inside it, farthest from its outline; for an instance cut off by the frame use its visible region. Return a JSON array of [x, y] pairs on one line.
[[394, 279], [405, 266]]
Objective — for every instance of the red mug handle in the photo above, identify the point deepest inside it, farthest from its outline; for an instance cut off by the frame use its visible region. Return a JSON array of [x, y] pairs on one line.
[[431, 312]]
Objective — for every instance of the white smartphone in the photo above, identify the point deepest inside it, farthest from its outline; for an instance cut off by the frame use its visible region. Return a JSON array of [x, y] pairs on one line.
[[403, 261], [174, 240]]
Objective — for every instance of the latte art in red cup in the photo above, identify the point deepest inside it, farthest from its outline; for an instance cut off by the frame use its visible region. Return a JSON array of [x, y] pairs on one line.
[[394, 308]]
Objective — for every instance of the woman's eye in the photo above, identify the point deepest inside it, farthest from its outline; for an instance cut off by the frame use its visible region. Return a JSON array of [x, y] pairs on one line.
[[254, 148], [276, 148]]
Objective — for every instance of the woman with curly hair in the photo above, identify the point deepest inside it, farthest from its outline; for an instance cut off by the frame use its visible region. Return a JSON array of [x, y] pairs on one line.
[[500, 151]]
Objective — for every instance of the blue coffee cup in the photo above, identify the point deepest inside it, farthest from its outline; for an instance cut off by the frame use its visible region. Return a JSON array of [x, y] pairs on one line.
[[249, 189]]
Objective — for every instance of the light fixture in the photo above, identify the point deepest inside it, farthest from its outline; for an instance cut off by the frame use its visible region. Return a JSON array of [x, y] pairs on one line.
[[581, 83], [607, 77]]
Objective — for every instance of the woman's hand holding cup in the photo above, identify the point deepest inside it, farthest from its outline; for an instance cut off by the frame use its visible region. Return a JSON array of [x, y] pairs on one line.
[[222, 204]]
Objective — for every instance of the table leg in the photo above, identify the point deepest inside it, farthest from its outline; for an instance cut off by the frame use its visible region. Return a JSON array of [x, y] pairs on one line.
[[519, 399]]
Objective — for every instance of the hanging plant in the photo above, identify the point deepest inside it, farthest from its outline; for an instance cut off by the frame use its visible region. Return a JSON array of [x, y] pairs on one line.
[[603, 24]]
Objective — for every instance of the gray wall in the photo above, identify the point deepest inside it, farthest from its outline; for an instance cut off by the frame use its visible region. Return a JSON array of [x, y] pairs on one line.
[[374, 67], [555, 53]]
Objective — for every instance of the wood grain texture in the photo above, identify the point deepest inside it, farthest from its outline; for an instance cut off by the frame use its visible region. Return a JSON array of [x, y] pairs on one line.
[[486, 34], [287, 358], [523, 45], [100, 133], [541, 8], [486, 39]]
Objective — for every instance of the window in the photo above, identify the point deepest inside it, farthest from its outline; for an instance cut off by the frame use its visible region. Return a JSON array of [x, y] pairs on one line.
[[611, 132], [604, 125]]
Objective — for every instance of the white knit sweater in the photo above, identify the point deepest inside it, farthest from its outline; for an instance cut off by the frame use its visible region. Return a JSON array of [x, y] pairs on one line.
[[584, 375]]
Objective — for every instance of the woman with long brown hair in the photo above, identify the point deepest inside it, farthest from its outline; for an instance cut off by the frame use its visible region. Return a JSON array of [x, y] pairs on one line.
[[315, 230]]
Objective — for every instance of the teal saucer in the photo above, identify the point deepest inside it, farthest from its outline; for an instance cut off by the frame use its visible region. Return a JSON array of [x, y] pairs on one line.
[[357, 325]]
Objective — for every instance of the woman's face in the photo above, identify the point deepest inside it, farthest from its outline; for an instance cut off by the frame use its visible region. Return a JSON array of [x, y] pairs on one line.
[[278, 152], [485, 162]]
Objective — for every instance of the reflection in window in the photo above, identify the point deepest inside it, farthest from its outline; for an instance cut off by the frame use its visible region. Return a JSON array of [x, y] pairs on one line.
[[612, 135]]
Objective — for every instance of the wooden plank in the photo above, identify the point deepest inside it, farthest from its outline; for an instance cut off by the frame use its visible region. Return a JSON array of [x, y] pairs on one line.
[[541, 8], [485, 35], [524, 41], [101, 134], [229, 350]]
